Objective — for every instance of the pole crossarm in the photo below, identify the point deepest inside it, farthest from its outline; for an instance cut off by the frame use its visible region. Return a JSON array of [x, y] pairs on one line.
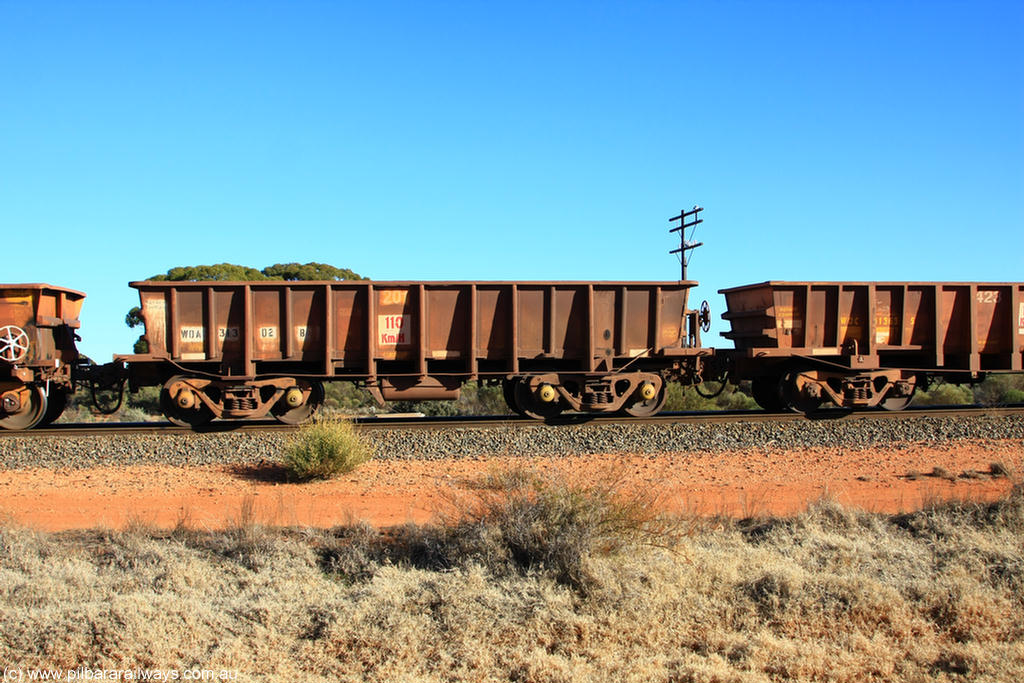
[[687, 219]]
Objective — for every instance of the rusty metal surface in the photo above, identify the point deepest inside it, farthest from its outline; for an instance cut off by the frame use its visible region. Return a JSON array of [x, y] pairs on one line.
[[37, 352], [867, 344], [597, 345], [36, 323], [371, 329], [967, 326]]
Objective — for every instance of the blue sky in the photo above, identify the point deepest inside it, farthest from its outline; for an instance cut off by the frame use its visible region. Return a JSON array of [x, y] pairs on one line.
[[826, 140]]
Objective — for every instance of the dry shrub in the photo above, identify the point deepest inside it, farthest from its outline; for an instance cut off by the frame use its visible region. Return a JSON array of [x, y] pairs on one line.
[[530, 522], [999, 469], [942, 473], [942, 518], [353, 552], [323, 449], [522, 522]]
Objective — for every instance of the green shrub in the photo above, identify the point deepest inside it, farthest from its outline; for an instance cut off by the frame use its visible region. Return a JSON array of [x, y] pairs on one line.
[[323, 449], [999, 390], [475, 399], [944, 395], [346, 397], [683, 398], [146, 399]]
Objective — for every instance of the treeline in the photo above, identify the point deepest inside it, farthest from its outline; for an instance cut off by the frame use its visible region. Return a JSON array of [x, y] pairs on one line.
[[230, 272]]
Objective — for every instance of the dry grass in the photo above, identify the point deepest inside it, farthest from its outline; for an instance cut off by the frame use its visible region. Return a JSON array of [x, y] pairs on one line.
[[599, 594], [999, 469], [942, 473]]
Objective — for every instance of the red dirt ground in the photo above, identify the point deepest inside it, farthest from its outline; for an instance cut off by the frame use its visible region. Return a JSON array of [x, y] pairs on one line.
[[384, 493]]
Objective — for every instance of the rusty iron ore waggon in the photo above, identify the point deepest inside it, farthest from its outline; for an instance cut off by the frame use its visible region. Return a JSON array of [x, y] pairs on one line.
[[249, 349], [236, 350], [37, 352], [867, 344]]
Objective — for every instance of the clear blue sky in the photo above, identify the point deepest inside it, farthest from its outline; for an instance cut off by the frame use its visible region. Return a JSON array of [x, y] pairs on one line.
[[480, 140]]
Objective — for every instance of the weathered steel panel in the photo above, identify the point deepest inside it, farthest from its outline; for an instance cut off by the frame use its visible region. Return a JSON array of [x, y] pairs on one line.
[[404, 328], [35, 320], [972, 326], [37, 352]]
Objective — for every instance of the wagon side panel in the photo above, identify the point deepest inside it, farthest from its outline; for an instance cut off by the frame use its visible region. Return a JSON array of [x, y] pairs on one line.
[[351, 339], [635, 321], [156, 304], [230, 324], [448, 323], [493, 326]]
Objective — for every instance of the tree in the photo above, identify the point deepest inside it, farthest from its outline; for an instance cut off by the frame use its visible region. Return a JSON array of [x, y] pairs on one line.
[[309, 271], [133, 319], [221, 272]]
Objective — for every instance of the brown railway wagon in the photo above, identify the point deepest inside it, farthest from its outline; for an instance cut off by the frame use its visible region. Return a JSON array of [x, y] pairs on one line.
[[246, 349], [862, 344], [37, 352]]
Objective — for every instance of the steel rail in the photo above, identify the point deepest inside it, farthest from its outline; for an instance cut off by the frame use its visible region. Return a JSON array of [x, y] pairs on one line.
[[415, 421]]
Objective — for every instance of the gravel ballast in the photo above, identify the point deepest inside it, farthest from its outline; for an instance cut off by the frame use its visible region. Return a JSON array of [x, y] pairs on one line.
[[514, 439]]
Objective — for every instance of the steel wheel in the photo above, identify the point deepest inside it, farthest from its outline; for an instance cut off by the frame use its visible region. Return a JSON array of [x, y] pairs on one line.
[[900, 402], [765, 391], [508, 389], [171, 399], [795, 398], [648, 407], [531, 406], [55, 405], [314, 398], [28, 403]]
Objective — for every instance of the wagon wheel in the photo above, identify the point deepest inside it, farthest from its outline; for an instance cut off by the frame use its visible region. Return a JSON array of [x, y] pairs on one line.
[[13, 343], [25, 408], [173, 394], [793, 396], [313, 392], [647, 407], [765, 392], [508, 390], [896, 402], [531, 406], [900, 402], [56, 402]]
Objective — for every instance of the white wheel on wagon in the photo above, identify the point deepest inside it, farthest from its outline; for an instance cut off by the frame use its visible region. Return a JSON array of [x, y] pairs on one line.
[[13, 343]]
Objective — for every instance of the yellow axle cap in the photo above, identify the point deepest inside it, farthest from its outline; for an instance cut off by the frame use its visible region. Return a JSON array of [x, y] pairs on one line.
[[293, 397], [185, 399], [648, 391], [547, 393]]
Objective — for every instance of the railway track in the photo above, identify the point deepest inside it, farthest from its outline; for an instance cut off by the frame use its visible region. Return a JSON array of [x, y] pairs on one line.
[[420, 422]]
